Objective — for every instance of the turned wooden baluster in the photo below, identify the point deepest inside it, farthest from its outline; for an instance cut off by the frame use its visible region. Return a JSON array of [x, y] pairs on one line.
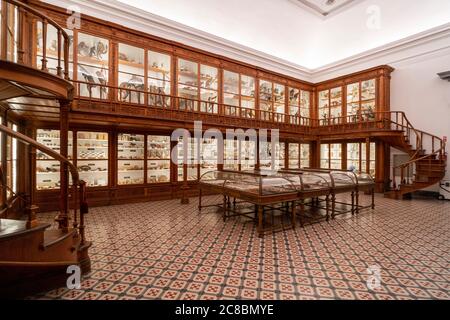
[[44, 46], [59, 68]]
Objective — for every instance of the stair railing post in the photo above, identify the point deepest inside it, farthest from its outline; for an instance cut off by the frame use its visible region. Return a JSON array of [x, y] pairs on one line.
[[30, 208], [63, 217]]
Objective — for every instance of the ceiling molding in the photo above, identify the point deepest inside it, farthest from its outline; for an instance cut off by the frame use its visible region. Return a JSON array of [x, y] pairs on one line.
[[316, 10], [120, 13]]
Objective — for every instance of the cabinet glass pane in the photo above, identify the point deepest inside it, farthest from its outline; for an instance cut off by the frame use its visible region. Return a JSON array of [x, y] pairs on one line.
[[52, 49], [130, 147], [265, 90], [248, 155], [230, 82], [190, 95], [92, 155], [368, 90], [353, 93], [209, 101], [231, 155], [192, 156], [353, 157], [93, 65], [247, 86], [158, 159], [208, 155], [47, 169], [208, 77], [335, 102], [187, 72], [336, 156], [294, 155], [305, 104], [131, 73], [324, 156], [278, 93], [304, 155], [158, 79]]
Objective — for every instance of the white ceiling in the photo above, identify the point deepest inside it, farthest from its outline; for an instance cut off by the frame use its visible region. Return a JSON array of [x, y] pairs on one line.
[[291, 32]]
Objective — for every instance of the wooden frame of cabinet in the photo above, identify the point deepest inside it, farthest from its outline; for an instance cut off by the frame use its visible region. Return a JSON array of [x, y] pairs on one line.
[[107, 115]]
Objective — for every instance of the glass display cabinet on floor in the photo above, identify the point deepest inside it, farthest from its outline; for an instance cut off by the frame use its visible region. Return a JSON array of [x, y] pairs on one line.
[[93, 66], [130, 159], [361, 101], [47, 168], [158, 159], [92, 157], [131, 74], [158, 78]]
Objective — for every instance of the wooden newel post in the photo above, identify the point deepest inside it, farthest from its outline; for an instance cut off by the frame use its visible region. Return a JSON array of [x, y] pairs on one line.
[[63, 217], [31, 209]]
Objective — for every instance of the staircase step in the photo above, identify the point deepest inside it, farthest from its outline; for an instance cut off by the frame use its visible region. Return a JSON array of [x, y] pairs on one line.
[[52, 237]]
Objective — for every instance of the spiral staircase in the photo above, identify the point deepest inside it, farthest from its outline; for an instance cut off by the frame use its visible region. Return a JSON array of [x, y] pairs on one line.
[[34, 256]]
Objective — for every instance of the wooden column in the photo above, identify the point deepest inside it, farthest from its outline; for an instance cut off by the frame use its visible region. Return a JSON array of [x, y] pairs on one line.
[[63, 217], [3, 155], [367, 168]]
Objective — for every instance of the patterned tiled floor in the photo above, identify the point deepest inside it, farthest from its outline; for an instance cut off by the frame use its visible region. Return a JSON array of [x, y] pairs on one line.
[[164, 250]]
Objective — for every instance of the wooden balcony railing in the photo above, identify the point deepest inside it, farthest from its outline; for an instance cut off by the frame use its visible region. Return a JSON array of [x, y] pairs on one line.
[[164, 106], [15, 33]]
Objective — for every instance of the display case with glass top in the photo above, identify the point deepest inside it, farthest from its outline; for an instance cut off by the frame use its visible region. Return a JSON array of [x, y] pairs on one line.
[[47, 168], [92, 157], [158, 73], [93, 66], [158, 159], [130, 158]]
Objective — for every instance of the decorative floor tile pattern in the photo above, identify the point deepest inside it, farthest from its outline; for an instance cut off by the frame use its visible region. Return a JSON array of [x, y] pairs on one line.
[[164, 250]]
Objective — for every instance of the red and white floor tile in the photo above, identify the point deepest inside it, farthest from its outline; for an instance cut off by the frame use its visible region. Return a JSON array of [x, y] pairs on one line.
[[165, 250]]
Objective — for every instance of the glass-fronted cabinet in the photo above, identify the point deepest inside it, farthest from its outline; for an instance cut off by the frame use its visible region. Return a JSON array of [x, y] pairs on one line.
[[357, 157], [238, 94], [197, 82], [131, 69], [208, 155], [330, 106], [271, 101], [130, 158], [231, 154], [299, 106], [271, 157], [93, 66], [52, 49], [158, 73], [92, 157], [190, 153], [331, 156], [361, 100], [188, 83], [299, 155], [158, 159], [47, 168], [248, 154]]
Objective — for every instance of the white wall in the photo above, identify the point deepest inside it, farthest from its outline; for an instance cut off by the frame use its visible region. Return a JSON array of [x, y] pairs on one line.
[[425, 98]]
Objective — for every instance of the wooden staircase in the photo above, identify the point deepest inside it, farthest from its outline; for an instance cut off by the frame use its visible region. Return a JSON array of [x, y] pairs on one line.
[[33, 256], [427, 163]]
